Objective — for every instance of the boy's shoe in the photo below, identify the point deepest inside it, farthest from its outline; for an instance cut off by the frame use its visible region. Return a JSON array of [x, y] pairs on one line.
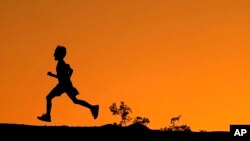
[[95, 111], [45, 117]]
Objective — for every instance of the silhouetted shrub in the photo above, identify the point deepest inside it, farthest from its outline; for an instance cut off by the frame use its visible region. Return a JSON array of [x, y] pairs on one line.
[[141, 120], [123, 110]]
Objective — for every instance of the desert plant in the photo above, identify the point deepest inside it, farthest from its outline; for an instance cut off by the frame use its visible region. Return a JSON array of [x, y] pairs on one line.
[[141, 120], [123, 110]]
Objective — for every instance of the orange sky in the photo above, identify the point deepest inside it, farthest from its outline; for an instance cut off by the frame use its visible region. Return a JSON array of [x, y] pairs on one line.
[[161, 57]]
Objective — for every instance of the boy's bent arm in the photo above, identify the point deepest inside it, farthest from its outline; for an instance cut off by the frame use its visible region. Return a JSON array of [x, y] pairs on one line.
[[70, 72], [53, 75]]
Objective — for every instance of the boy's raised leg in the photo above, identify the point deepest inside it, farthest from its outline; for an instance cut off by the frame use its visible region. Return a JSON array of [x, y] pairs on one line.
[[95, 111]]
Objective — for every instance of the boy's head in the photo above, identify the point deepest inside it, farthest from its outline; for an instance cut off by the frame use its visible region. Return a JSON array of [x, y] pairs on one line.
[[60, 52]]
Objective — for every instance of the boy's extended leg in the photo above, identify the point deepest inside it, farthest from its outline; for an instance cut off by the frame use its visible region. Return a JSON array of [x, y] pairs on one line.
[[95, 111], [93, 108], [57, 91]]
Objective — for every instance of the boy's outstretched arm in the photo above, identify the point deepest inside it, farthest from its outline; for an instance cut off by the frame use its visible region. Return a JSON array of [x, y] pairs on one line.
[[51, 74]]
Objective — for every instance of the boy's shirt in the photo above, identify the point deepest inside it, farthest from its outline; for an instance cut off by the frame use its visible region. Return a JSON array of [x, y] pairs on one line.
[[62, 70]]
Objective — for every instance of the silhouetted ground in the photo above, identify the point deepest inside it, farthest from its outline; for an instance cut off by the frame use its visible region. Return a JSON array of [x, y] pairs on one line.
[[109, 132]]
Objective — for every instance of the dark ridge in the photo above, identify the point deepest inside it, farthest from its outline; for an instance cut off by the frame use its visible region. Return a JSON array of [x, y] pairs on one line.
[[108, 132]]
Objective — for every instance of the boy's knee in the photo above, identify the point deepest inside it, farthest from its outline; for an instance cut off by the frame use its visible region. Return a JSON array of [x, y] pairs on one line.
[[75, 101], [48, 97]]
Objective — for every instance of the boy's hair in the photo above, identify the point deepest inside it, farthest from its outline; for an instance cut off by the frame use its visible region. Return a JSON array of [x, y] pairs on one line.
[[61, 50]]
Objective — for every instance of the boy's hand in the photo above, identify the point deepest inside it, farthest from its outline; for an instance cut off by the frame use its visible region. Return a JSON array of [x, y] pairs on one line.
[[50, 73]]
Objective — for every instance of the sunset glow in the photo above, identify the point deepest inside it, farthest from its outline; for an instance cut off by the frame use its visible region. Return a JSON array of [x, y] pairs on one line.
[[163, 58]]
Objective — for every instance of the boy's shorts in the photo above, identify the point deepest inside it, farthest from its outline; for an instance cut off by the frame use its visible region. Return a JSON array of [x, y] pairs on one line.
[[60, 89]]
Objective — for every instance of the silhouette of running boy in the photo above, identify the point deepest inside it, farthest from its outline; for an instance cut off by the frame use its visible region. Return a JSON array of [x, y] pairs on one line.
[[64, 72]]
